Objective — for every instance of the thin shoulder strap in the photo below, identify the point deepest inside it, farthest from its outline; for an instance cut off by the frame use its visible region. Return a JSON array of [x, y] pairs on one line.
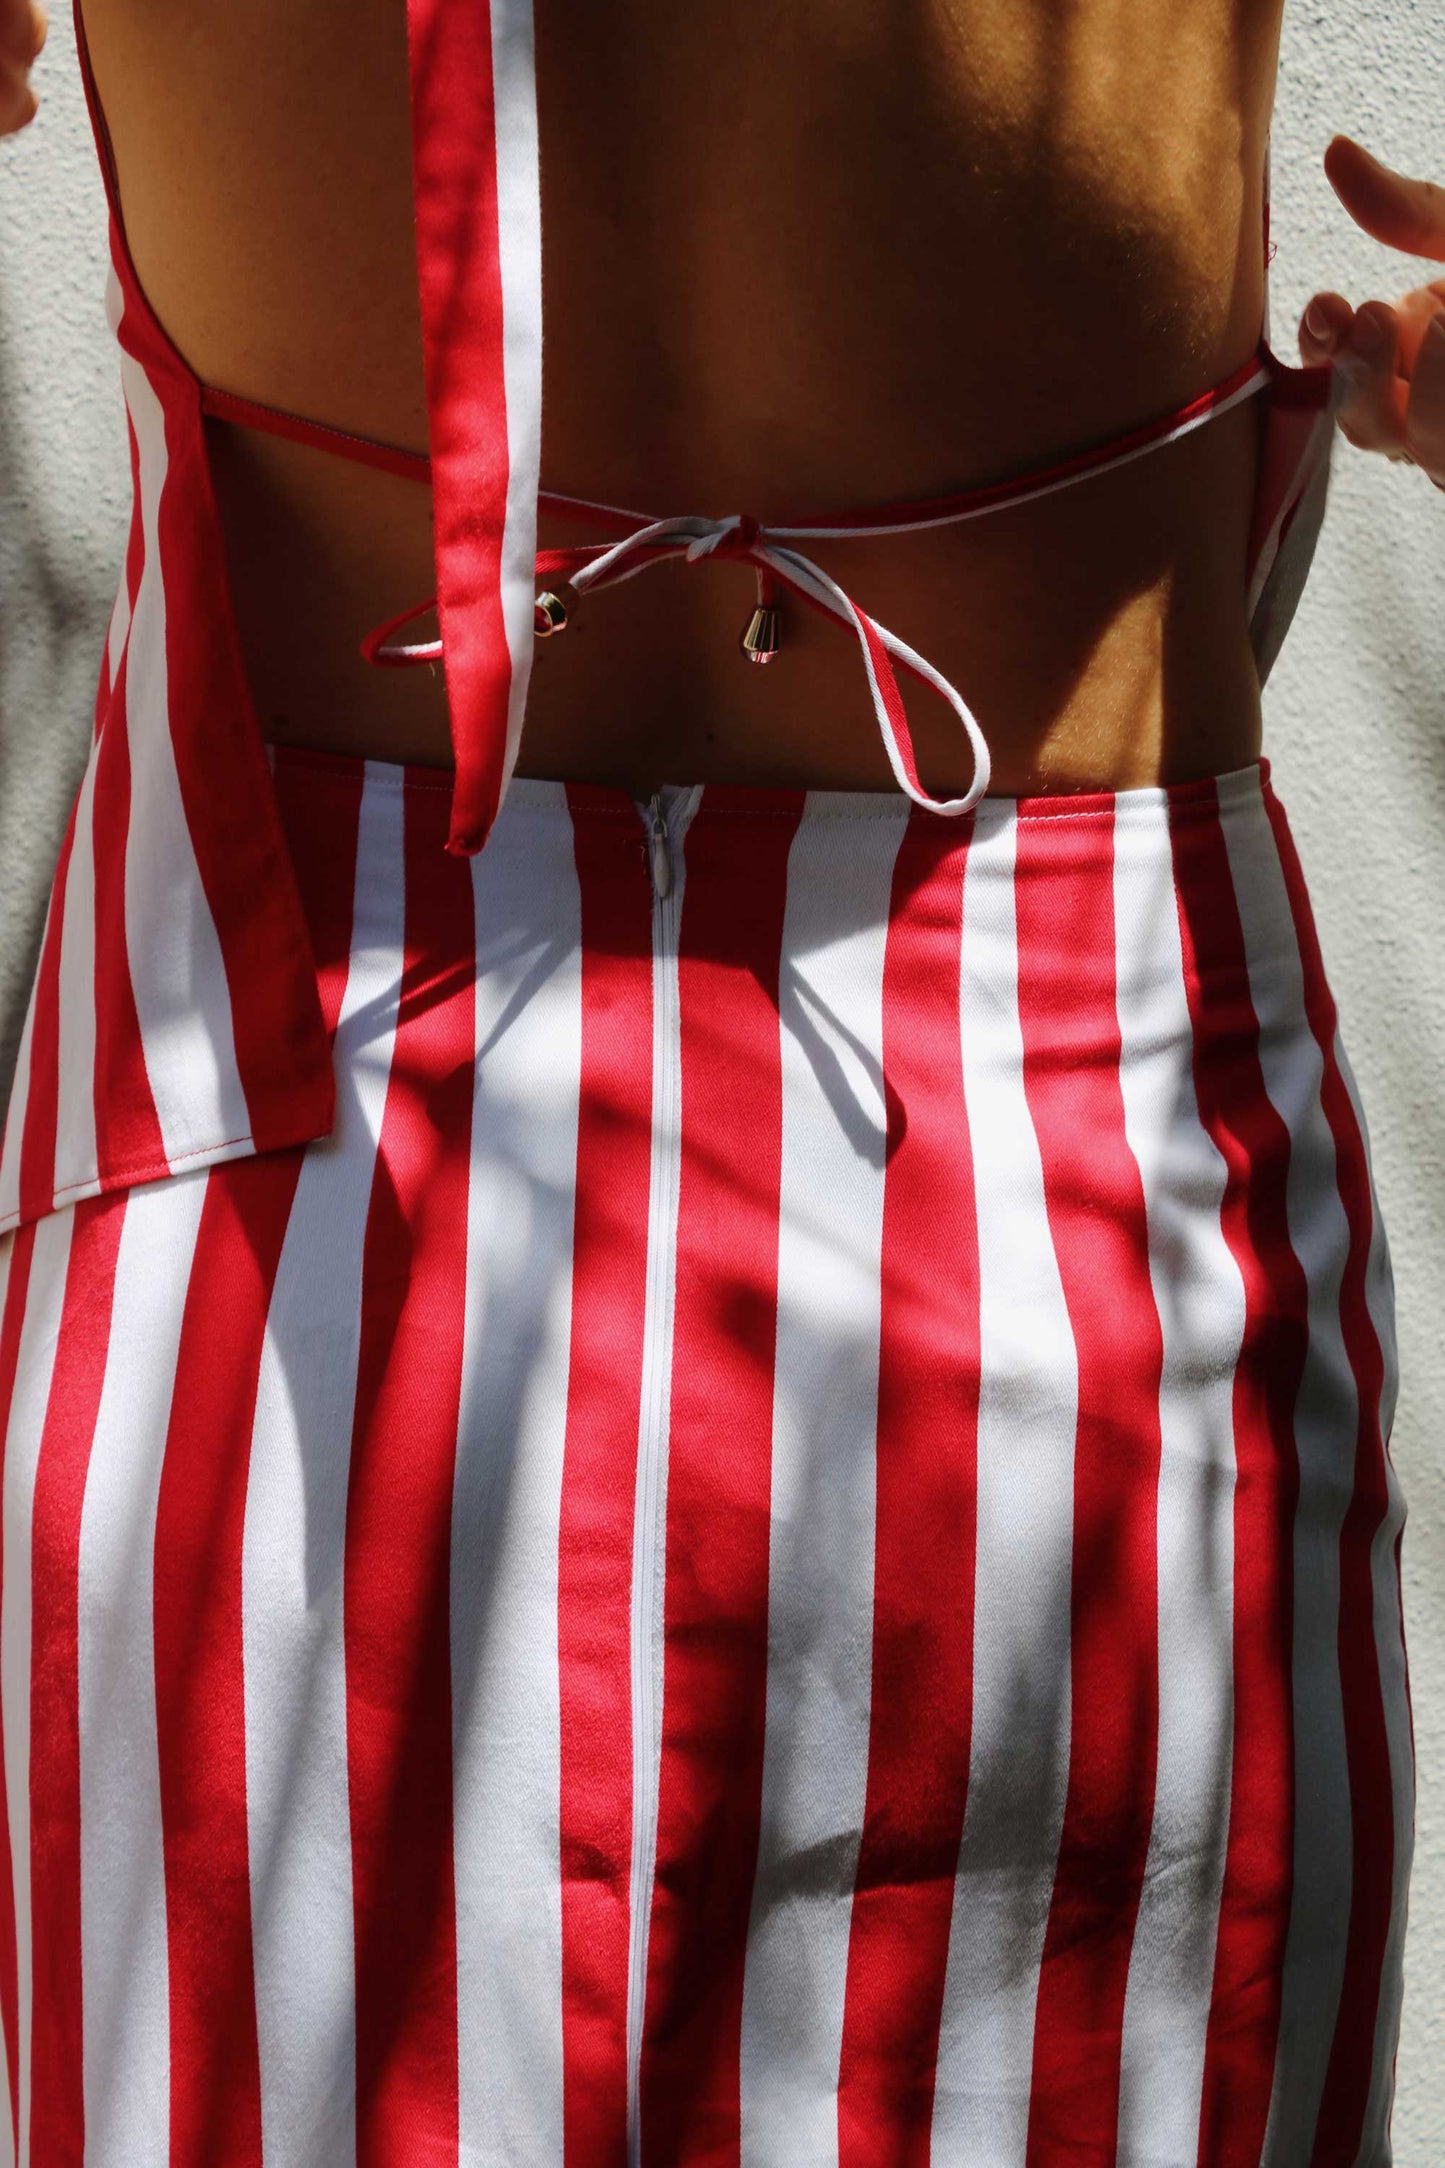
[[100, 127], [160, 351], [478, 228], [1266, 243]]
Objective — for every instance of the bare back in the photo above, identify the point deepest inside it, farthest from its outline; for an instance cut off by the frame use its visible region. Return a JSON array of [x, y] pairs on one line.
[[791, 260]]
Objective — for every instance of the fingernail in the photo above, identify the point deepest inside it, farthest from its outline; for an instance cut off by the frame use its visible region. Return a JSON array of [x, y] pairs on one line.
[[1367, 334], [1317, 322]]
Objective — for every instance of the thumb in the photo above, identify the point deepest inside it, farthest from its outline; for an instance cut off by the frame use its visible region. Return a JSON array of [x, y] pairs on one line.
[[1405, 214]]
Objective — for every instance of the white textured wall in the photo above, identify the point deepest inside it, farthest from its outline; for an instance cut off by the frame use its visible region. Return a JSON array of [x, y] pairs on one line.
[[64, 486], [1356, 726]]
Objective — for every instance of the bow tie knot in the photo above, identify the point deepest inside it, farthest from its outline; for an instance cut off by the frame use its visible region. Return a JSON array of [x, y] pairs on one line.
[[737, 536]]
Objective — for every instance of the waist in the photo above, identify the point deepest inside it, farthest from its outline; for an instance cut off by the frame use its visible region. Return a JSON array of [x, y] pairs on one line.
[[700, 867], [1100, 635]]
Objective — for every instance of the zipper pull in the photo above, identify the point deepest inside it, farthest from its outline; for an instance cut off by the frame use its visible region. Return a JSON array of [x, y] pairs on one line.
[[659, 850]]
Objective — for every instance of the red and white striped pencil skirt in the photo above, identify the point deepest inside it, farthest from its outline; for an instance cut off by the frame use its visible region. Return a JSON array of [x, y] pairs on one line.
[[780, 1554]]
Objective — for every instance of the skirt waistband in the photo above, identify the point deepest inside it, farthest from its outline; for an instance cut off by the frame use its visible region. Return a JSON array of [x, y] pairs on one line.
[[1209, 864], [763, 802]]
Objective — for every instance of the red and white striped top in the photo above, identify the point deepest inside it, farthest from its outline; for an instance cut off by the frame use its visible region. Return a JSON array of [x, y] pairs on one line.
[[175, 1020]]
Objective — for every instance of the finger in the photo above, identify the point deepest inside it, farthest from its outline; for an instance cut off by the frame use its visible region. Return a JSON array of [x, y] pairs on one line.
[[1416, 312], [1373, 412], [18, 105], [22, 35], [1425, 411], [1323, 328], [22, 31], [1405, 214]]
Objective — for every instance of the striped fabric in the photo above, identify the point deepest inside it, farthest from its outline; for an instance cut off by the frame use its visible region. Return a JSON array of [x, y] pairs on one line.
[[173, 1022], [780, 1552], [740, 1517], [479, 260]]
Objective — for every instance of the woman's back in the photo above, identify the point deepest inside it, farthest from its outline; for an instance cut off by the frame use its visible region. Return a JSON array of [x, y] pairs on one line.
[[841, 255], [704, 1482]]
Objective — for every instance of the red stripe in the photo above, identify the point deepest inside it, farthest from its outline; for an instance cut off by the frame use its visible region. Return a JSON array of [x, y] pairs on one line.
[[200, 1523], [1367, 1746], [57, 2115], [319, 803], [128, 1140], [1068, 1011], [921, 1720], [460, 276], [134, 552], [215, 2090], [42, 1097], [1253, 1142], [281, 1052], [398, 1534], [11, 1322], [718, 1482], [135, 545], [594, 1576]]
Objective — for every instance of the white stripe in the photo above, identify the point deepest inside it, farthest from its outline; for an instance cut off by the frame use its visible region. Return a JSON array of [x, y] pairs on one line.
[[1199, 1295], [74, 1169], [75, 1148], [519, 238], [177, 971], [39, 1335], [508, 1488], [1027, 1416], [122, 1867], [820, 1600], [649, 1542], [1389, 1646], [15, 1114], [119, 632], [293, 1554], [1325, 1427]]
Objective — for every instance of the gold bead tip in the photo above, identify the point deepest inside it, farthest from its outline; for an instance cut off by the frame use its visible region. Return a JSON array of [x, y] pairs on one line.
[[549, 615], [762, 635]]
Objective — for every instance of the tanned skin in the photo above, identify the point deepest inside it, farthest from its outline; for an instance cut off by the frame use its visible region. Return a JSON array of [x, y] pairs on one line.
[[797, 259]]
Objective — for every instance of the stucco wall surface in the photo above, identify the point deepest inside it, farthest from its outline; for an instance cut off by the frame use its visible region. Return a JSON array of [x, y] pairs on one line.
[[1356, 716]]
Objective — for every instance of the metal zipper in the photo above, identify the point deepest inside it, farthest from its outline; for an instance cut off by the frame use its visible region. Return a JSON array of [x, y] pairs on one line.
[[659, 852], [652, 1432]]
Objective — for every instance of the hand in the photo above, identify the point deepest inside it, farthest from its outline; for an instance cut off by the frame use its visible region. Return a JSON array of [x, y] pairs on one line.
[[1392, 359], [22, 33]]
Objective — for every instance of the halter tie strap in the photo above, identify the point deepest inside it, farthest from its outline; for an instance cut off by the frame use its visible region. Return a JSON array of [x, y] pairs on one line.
[[741, 538]]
